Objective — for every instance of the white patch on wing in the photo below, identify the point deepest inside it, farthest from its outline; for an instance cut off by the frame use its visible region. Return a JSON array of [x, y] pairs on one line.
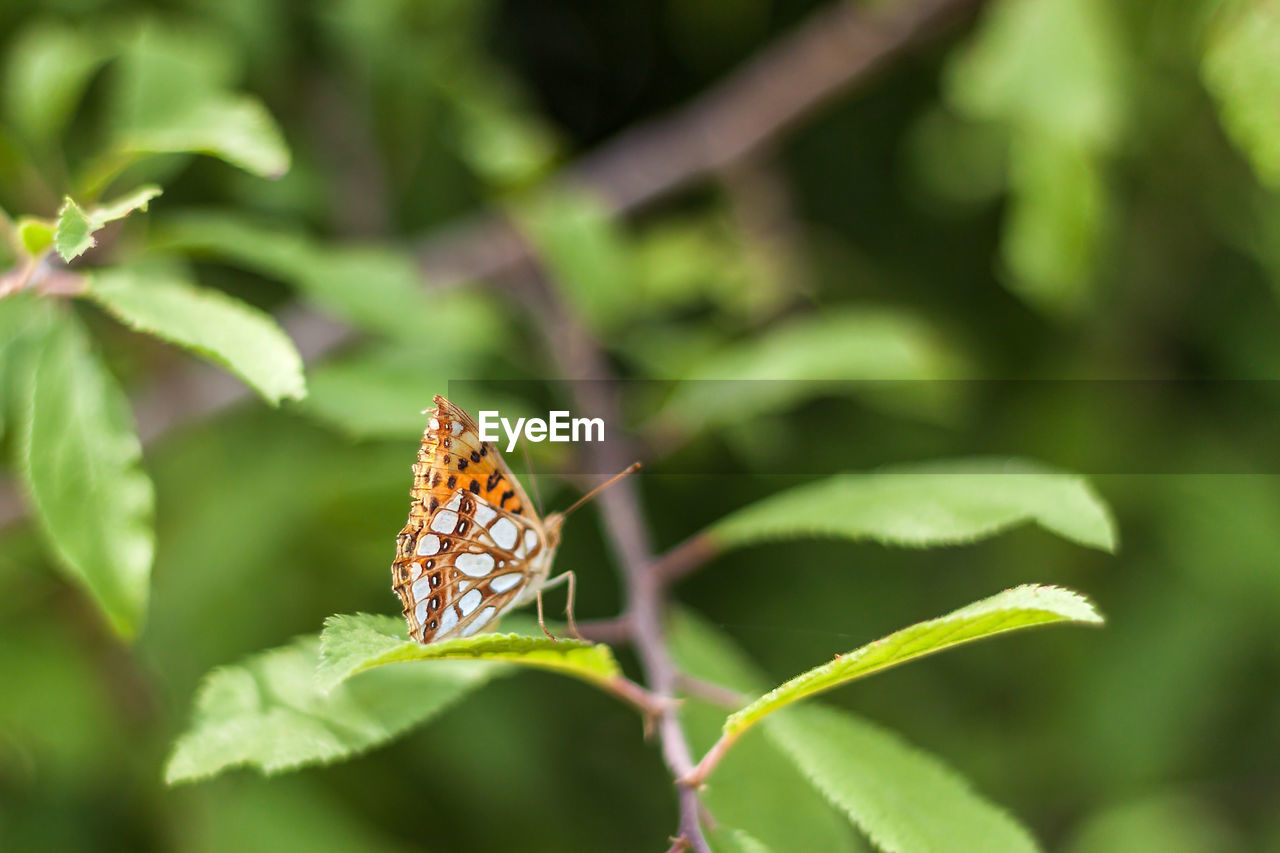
[[455, 502], [421, 589], [527, 545], [445, 521], [448, 620], [469, 602], [420, 611], [502, 583], [474, 565], [456, 427], [434, 424], [479, 622], [415, 570], [463, 586], [428, 545], [504, 533], [484, 514]]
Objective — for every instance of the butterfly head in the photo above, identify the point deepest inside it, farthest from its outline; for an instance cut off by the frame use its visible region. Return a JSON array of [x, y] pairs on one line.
[[554, 522], [552, 525]]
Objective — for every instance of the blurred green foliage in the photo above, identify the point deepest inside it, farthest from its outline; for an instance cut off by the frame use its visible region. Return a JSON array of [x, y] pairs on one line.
[[1062, 189]]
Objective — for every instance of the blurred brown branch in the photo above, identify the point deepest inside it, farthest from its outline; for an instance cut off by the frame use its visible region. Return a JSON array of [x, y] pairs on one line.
[[824, 57]]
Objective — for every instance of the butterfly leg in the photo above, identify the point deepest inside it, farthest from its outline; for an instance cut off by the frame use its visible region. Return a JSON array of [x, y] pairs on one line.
[[566, 578], [542, 622]]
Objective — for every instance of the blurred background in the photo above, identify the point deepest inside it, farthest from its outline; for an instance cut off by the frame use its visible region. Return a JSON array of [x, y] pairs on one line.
[[1059, 219]]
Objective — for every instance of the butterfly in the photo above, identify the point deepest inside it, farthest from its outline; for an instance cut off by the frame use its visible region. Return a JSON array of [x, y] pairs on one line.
[[473, 547]]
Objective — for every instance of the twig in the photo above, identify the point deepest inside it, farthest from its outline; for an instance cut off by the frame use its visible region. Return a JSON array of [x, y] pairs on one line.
[[345, 140], [695, 777], [689, 555], [821, 59], [612, 631], [650, 705], [753, 107], [716, 694], [581, 361]]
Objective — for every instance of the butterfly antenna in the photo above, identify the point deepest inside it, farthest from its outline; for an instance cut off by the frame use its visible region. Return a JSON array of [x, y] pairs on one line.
[[533, 481], [631, 469]]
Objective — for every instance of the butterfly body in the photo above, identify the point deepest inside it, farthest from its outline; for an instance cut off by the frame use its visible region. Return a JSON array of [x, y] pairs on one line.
[[473, 547]]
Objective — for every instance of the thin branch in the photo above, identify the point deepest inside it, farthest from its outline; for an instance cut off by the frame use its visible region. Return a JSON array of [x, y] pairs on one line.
[[343, 131], [716, 694], [836, 48], [581, 361], [694, 778], [611, 631], [689, 555]]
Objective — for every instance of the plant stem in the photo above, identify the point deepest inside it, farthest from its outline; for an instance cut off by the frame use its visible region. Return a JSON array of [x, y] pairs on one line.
[[582, 362], [695, 777], [684, 558], [716, 694]]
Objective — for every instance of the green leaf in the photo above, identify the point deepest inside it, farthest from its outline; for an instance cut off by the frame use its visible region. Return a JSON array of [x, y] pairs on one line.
[[1239, 69], [1171, 822], [126, 204], [1054, 67], [1053, 73], [584, 250], [502, 139], [1014, 609], [49, 67], [234, 128], [757, 789], [172, 96], [299, 812], [353, 644], [905, 800], [245, 340], [75, 227], [698, 258], [36, 235], [378, 289], [861, 351], [268, 713], [379, 391], [81, 461], [24, 321], [959, 161], [1059, 214], [926, 505], [725, 839], [74, 233]]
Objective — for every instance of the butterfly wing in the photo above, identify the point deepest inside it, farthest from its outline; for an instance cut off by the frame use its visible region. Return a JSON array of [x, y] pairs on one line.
[[472, 548]]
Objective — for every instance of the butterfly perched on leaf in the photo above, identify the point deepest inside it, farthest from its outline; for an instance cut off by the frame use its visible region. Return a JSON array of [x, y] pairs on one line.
[[474, 547]]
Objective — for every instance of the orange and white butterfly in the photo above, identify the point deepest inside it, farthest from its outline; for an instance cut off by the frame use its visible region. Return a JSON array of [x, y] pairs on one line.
[[473, 547]]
